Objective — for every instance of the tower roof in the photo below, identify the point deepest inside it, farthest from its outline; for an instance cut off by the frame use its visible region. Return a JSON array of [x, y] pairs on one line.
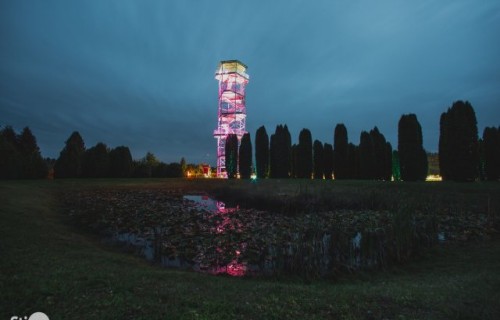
[[234, 61], [231, 66]]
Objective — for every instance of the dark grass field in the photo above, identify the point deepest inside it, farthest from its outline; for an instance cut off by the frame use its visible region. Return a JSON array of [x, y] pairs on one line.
[[48, 264]]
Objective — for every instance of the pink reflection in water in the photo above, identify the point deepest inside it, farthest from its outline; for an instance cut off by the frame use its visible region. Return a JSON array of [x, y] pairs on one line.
[[227, 222], [234, 268]]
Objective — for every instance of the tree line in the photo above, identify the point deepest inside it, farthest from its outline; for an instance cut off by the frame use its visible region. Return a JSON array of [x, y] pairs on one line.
[[277, 157], [463, 156], [20, 158], [100, 161]]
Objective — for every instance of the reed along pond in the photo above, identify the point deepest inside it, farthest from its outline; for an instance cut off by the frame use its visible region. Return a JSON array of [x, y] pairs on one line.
[[197, 232]]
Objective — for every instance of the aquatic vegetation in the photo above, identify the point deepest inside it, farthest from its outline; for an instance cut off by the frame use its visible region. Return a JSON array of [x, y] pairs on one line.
[[315, 241]]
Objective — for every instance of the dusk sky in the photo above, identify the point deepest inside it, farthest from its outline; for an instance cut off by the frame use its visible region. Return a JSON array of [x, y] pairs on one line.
[[141, 73]]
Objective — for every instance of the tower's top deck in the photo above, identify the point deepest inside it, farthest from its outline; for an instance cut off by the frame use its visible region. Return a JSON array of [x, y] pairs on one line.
[[231, 66]]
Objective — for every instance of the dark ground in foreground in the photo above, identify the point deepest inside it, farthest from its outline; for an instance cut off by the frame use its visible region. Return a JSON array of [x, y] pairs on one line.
[[48, 265]]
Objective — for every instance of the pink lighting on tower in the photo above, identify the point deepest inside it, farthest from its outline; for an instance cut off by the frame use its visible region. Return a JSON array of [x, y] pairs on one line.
[[231, 114]]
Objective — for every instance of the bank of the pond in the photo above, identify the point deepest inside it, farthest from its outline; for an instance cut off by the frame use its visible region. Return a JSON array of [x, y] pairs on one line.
[[50, 266]]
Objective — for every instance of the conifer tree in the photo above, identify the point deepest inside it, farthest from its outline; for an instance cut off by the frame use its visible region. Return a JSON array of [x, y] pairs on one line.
[[491, 153], [318, 160], [396, 173], [231, 156], [304, 155], [69, 163], [353, 171], [458, 143], [96, 162], [366, 157], [293, 161], [20, 156], [32, 164], [328, 160], [120, 161], [412, 156], [388, 162], [261, 153], [280, 153], [245, 157], [10, 158], [287, 152], [340, 151]]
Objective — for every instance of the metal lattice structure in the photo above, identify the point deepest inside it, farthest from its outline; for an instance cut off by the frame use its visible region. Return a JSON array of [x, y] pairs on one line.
[[232, 78]]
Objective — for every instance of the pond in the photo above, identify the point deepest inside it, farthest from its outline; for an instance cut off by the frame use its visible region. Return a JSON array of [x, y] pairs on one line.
[[217, 212], [217, 239], [197, 232]]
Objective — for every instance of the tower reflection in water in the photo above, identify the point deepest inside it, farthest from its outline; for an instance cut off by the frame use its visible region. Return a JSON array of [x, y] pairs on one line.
[[225, 230]]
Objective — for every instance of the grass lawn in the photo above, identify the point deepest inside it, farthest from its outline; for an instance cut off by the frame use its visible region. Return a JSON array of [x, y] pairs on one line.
[[48, 265]]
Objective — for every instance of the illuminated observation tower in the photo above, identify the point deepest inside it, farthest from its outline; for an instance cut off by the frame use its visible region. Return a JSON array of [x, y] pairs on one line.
[[232, 112]]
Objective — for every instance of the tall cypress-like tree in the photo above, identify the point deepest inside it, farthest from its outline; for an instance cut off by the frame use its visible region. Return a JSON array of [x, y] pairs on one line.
[[491, 153], [69, 163], [231, 152], [482, 170], [458, 143], [280, 152], [304, 155], [287, 157], [366, 156], [340, 151], [261, 153], [293, 161], [444, 146], [353, 161], [396, 172], [273, 154], [388, 162], [380, 154], [245, 155], [412, 156], [328, 161], [318, 160]]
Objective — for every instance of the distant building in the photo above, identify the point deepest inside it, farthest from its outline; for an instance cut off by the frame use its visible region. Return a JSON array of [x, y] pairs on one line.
[[206, 170], [433, 164], [433, 160]]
